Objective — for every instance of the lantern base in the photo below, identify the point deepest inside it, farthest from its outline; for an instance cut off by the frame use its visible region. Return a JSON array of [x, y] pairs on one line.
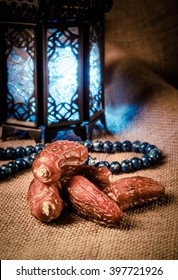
[[46, 135], [11, 130]]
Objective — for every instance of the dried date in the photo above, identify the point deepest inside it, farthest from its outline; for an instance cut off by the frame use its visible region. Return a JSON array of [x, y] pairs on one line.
[[99, 176], [45, 201], [134, 191], [91, 203], [56, 158]]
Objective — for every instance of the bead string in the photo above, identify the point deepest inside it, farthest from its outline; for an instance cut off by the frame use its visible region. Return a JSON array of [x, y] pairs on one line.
[[22, 158], [151, 155]]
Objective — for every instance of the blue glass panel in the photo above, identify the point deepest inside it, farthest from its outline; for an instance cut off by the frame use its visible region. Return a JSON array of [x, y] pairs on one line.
[[95, 79], [20, 69], [63, 75], [20, 75]]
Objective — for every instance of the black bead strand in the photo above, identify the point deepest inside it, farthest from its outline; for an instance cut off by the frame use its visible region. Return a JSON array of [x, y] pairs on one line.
[[151, 155], [12, 153], [22, 158]]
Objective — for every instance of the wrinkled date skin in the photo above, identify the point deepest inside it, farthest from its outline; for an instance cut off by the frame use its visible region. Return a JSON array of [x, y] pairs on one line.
[[134, 191], [45, 201], [56, 158], [91, 203], [99, 176]]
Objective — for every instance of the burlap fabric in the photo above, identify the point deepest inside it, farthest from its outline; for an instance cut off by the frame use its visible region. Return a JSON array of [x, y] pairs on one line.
[[140, 105]]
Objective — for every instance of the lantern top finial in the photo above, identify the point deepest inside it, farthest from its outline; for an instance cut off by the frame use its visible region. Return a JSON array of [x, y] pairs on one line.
[[52, 10]]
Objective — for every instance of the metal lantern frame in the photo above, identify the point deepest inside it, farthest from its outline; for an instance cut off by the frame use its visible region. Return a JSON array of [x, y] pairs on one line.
[[31, 32]]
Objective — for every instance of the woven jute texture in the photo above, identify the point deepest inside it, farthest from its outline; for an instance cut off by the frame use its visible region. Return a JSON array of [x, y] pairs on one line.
[[140, 105]]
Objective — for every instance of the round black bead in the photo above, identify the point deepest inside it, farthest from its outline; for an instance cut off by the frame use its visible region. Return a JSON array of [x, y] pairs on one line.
[[146, 161], [136, 163], [103, 163], [39, 147], [143, 147], [98, 146], [135, 146], [2, 154], [29, 160], [107, 146], [92, 161], [89, 145], [149, 148], [10, 153], [20, 151], [22, 164], [14, 166], [117, 146], [155, 155], [30, 150], [115, 167], [126, 165], [126, 146], [8, 171]]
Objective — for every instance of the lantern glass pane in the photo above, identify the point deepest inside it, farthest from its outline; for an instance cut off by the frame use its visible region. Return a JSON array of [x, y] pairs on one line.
[[95, 79], [20, 68], [20, 74], [63, 66], [95, 71]]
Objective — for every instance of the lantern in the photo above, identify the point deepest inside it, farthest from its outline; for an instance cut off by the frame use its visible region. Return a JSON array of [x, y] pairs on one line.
[[52, 60]]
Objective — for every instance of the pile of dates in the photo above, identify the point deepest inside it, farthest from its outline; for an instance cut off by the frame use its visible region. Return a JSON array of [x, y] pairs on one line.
[[61, 178]]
